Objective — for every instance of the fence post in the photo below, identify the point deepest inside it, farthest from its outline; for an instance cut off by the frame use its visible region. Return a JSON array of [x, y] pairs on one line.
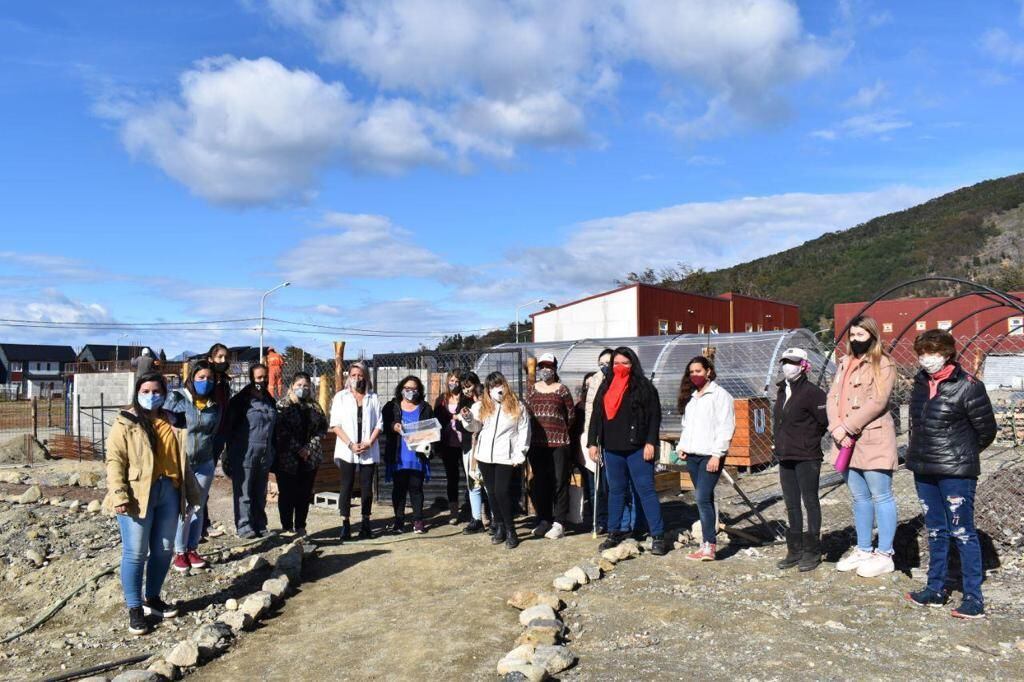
[[49, 411], [35, 417], [76, 408], [103, 427]]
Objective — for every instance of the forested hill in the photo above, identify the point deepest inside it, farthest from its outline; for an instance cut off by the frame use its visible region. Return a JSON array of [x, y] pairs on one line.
[[976, 232]]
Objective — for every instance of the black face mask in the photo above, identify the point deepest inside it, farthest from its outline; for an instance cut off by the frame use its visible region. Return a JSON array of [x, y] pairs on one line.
[[259, 386], [220, 366], [859, 348], [606, 370]]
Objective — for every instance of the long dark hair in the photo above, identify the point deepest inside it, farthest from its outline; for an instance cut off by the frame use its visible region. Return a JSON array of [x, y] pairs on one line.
[[686, 386], [401, 385], [639, 385], [454, 374], [190, 383], [142, 415]]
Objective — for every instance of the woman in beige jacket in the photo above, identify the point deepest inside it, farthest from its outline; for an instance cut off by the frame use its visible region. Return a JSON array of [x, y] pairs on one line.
[[150, 487], [858, 415]]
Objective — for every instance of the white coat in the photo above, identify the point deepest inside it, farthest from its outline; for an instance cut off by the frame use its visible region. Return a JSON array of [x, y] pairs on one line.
[[708, 424], [344, 414], [501, 439]]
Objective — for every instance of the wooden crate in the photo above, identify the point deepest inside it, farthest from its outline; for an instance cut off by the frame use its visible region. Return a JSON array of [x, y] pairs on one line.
[[667, 482], [752, 443]]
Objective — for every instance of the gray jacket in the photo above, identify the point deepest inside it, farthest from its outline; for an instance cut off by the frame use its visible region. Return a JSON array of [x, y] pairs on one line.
[[252, 418], [200, 425]]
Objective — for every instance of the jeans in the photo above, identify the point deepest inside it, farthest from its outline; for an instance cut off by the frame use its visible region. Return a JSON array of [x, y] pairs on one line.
[[366, 473], [499, 479], [799, 481], [408, 482], [189, 530], [873, 502], [294, 495], [633, 518], [149, 542], [704, 483], [475, 491], [249, 485], [631, 467], [948, 505], [549, 489]]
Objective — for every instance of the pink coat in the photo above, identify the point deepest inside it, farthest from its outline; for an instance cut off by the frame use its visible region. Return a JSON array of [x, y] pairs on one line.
[[866, 416]]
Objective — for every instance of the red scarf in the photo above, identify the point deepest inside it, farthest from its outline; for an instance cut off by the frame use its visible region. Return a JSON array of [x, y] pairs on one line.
[[935, 379], [617, 389]]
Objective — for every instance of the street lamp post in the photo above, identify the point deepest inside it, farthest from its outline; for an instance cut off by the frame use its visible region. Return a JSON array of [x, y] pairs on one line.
[[117, 348], [520, 307], [263, 300]]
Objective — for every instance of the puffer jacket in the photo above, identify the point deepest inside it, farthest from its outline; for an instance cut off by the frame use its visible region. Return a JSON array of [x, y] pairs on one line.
[[501, 438], [253, 417], [948, 432], [129, 460], [201, 425]]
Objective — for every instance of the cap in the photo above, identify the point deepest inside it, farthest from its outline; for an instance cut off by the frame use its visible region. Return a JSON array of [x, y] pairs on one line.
[[794, 355], [547, 358]]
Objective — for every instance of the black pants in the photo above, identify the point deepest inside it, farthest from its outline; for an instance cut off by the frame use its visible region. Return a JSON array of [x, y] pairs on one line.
[[498, 481], [408, 482], [294, 495], [800, 482], [452, 458], [366, 474], [549, 489]]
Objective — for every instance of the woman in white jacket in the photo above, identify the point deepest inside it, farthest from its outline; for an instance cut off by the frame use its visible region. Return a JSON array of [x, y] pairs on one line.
[[502, 425], [708, 423], [356, 420]]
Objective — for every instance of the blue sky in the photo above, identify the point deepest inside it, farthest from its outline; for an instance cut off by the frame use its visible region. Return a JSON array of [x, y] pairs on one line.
[[426, 166]]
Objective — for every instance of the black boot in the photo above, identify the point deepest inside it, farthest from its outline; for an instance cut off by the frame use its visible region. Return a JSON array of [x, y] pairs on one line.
[[499, 534], [511, 539], [346, 531], [794, 547], [613, 540], [811, 557], [365, 533], [658, 546]]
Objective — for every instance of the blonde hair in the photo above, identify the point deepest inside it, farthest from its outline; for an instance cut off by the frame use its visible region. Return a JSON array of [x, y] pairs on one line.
[[877, 350], [510, 403]]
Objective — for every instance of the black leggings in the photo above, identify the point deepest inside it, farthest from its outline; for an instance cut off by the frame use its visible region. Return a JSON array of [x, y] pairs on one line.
[[452, 458], [498, 481], [800, 481], [294, 493], [348, 477], [549, 488], [408, 482]]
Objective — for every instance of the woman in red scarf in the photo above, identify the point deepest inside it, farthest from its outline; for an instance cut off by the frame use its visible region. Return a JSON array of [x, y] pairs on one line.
[[626, 422]]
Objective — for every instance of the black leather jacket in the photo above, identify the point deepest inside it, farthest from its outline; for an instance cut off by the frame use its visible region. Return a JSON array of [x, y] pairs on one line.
[[948, 432], [800, 422]]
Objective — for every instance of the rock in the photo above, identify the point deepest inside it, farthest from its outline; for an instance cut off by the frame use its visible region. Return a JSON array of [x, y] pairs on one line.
[[185, 654], [88, 479], [277, 587], [238, 621], [834, 625], [521, 655], [605, 565], [578, 574], [164, 669], [542, 632], [231, 604], [552, 600], [94, 678], [522, 599], [94, 506], [10, 477], [32, 494], [308, 548], [138, 676], [73, 478], [564, 583], [34, 557], [696, 530], [74, 505], [631, 549], [256, 563], [554, 659], [537, 612], [592, 571], [525, 672], [257, 604], [57, 501], [289, 563], [610, 555], [212, 639]]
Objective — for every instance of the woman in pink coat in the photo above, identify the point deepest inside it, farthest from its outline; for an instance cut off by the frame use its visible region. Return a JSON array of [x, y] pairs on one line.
[[858, 415]]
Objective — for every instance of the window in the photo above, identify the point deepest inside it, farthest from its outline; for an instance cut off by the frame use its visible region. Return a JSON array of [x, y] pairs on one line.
[[39, 366], [945, 324], [887, 327], [662, 327], [15, 366], [700, 329], [921, 325], [679, 327], [749, 327], [1015, 326], [760, 327]]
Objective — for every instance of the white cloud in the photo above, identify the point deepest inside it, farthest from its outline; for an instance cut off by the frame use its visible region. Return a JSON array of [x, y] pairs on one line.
[[867, 95], [998, 44], [52, 305], [703, 160], [39, 264], [876, 124]]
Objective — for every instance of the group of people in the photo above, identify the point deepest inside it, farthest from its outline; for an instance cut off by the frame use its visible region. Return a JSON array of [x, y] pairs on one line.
[[163, 449]]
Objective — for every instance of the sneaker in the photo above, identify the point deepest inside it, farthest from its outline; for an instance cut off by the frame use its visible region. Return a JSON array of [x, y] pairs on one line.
[[542, 528], [418, 527], [395, 528], [155, 606], [705, 553], [180, 563], [613, 540], [970, 609], [137, 624], [556, 531], [300, 532], [248, 534], [195, 560], [852, 560], [473, 527], [875, 565], [927, 597]]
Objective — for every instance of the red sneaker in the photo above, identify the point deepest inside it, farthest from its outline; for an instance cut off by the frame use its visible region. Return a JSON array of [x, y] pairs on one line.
[[705, 553], [195, 560], [181, 563]]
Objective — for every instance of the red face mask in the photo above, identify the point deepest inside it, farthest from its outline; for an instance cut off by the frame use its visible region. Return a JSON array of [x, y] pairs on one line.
[[698, 380], [621, 370]]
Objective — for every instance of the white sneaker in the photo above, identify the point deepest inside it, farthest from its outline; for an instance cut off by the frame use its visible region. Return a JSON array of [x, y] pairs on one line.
[[877, 564], [542, 528], [853, 560], [556, 531]]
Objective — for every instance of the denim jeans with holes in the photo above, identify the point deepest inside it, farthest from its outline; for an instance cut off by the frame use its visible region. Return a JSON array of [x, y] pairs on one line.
[[948, 505]]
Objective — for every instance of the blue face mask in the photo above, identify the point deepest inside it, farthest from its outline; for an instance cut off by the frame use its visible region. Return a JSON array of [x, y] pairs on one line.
[[151, 401], [203, 386]]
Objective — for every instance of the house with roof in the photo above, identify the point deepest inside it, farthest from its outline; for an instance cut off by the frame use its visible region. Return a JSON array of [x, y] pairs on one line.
[[33, 370], [100, 352]]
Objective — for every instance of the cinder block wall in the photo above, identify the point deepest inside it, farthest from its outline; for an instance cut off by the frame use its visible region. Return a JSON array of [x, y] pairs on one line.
[[116, 391]]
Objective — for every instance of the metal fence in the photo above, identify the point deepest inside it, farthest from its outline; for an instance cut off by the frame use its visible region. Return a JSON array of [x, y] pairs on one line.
[[388, 369]]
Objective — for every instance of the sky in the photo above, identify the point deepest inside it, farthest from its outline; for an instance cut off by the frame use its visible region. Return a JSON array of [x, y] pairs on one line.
[[418, 168]]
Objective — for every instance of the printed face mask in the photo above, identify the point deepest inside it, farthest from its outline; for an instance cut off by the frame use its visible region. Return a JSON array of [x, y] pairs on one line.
[[545, 374], [302, 392], [410, 394], [151, 401], [791, 372], [931, 362], [259, 386], [497, 394], [203, 386]]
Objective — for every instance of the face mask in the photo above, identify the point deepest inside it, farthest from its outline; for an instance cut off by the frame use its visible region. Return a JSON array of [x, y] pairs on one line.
[[931, 362], [455, 388], [151, 401], [698, 380], [545, 374], [859, 348], [203, 386], [357, 384], [605, 369], [259, 386], [792, 372], [221, 366], [621, 371], [410, 394], [302, 393], [497, 394]]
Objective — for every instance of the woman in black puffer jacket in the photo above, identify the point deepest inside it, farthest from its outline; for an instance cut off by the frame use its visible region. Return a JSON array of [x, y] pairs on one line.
[[951, 423]]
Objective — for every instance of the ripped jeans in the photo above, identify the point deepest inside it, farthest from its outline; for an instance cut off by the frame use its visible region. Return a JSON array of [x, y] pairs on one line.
[[948, 504]]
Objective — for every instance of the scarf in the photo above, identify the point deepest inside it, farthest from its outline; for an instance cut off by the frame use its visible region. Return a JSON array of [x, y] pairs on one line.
[[935, 379], [617, 389]]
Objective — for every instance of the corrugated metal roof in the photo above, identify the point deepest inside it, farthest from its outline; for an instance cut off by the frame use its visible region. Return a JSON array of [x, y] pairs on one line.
[[24, 352]]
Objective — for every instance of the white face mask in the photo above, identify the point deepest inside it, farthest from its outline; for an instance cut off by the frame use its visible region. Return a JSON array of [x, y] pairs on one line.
[[931, 362], [792, 372], [497, 394]]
